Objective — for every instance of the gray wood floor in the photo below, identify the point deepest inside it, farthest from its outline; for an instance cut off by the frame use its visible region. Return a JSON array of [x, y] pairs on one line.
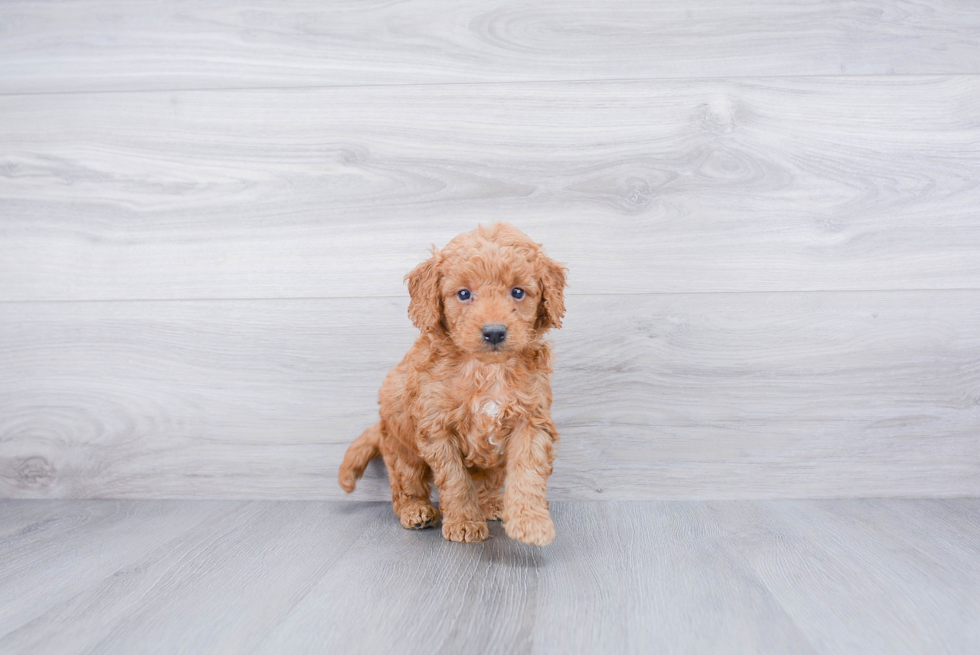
[[833, 576]]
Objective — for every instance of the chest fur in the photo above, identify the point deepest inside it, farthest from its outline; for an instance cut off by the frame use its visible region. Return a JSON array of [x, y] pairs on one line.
[[488, 403]]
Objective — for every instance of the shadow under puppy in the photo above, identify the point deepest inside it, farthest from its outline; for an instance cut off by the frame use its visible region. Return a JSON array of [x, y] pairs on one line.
[[469, 407]]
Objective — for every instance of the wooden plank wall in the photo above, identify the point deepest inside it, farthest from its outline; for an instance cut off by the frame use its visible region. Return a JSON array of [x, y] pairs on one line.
[[770, 211]]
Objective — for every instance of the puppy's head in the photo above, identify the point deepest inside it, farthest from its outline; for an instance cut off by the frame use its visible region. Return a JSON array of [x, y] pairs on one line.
[[493, 291]]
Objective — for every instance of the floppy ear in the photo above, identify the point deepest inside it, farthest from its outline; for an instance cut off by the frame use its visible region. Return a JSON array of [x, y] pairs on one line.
[[551, 309], [425, 309]]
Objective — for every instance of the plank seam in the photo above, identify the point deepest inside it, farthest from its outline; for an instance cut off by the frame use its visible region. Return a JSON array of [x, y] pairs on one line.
[[624, 80], [405, 296]]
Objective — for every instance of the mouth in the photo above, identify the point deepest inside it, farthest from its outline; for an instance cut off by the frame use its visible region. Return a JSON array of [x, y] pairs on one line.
[[494, 350]]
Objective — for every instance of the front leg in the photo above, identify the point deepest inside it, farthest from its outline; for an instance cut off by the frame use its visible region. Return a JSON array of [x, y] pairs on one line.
[[462, 518], [488, 483], [530, 453]]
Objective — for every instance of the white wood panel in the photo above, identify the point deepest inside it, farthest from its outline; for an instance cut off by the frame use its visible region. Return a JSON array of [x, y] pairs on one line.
[[840, 576], [112, 44], [671, 186], [657, 396]]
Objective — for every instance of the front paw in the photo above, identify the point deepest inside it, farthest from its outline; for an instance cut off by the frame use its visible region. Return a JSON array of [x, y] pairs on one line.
[[465, 530], [535, 529]]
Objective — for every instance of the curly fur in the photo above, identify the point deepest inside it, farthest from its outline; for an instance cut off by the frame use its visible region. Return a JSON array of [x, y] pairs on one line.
[[461, 412]]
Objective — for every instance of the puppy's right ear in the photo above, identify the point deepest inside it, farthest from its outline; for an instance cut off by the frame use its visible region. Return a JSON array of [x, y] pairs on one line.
[[425, 309]]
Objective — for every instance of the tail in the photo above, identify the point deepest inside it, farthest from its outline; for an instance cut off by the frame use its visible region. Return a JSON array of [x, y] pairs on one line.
[[365, 448]]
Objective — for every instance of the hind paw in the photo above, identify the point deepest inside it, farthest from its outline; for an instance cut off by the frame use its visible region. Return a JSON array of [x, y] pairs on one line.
[[492, 507], [418, 516]]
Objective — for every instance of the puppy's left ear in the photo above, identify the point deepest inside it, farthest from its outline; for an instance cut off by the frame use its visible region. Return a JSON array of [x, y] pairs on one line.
[[551, 309], [425, 309]]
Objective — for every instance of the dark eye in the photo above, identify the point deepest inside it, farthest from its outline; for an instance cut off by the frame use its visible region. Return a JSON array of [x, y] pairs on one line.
[[463, 294], [517, 293]]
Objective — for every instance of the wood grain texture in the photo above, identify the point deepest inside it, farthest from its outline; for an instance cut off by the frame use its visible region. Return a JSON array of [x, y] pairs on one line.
[[670, 186], [102, 536], [623, 576], [657, 396], [207, 208], [261, 559], [830, 576], [688, 587], [122, 45], [810, 561]]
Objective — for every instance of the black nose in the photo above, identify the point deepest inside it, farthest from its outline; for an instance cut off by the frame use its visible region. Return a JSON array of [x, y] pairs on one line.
[[494, 334]]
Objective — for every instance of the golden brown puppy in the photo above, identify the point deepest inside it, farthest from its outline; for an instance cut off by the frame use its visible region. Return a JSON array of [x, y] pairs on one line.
[[469, 406]]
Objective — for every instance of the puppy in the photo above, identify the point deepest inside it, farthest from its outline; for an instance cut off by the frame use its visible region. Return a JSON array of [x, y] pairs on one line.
[[469, 407]]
